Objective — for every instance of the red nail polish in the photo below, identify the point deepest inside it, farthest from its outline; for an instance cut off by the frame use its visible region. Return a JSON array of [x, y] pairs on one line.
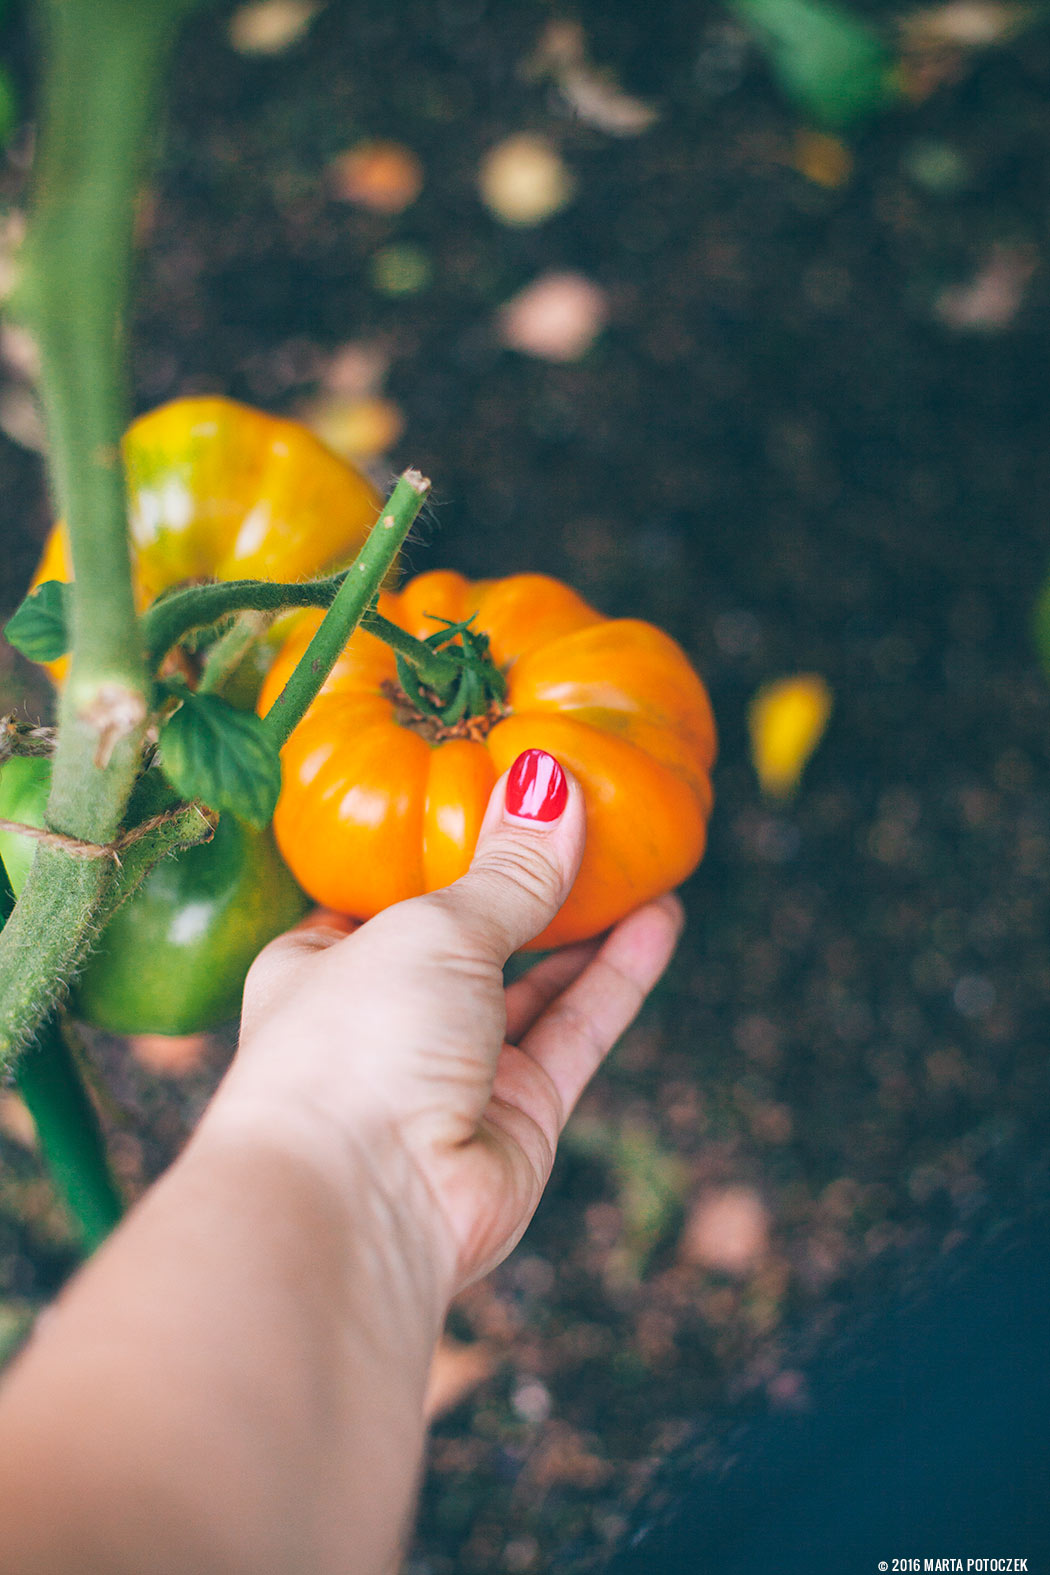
[[536, 787]]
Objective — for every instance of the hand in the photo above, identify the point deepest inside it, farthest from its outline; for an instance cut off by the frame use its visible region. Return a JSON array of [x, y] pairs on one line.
[[396, 1040], [248, 1354]]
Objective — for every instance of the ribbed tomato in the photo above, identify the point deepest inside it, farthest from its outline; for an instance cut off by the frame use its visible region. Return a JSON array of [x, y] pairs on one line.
[[380, 803], [219, 491]]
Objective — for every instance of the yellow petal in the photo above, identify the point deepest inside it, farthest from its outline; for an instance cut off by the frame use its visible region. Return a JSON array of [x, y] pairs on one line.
[[787, 721]]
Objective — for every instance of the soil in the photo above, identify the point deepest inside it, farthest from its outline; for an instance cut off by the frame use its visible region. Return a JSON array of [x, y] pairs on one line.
[[811, 438]]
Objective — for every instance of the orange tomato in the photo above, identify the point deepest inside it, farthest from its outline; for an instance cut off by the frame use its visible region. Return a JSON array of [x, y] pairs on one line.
[[219, 491], [379, 804]]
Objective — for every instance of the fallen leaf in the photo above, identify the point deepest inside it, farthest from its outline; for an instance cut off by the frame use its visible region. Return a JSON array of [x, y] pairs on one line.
[[821, 158], [270, 26], [787, 720], [727, 1230], [357, 429], [592, 94], [401, 269], [356, 369], [384, 176], [524, 180], [994, 295], [937, 43], [968, 24], [599, 102], [556, 318]]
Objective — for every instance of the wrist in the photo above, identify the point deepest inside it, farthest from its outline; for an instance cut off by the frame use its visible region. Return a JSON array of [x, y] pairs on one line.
[[389, 1222]]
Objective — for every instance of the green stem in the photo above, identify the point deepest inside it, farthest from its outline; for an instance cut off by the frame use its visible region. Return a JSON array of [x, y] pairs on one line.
[[199, 605], [165, 623], [70, 1134], [103, 66], [227, 654], [67, 1124], [432, 669], [104, 61], [359, 589]]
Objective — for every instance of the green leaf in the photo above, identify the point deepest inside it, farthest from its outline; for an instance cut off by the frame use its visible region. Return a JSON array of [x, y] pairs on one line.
[[40, 627], [830, 62], [211, 751]]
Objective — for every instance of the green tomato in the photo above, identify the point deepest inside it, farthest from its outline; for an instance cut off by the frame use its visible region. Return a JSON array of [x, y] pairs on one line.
[[173, 958], [24, 786]]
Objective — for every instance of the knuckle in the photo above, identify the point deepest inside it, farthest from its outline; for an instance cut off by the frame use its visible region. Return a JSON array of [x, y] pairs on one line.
[[624, 985], [531, 870], [576, 1027]]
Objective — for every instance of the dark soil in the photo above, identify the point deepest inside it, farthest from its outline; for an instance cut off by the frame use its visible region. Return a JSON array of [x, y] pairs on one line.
[[790, 452]]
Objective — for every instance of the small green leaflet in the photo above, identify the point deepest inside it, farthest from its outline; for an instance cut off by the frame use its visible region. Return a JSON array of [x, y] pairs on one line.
[[211, 751], [40, 627]]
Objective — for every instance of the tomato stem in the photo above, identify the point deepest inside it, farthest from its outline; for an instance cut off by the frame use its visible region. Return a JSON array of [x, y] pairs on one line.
[[67, 1124], [103, 69], [177, 615], [441, 679], [70, 1134], [430, 667], [359, 589], [197, 606], [435, 663], [226, 655]]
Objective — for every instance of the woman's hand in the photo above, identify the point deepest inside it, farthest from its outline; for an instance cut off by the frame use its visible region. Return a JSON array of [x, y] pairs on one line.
[[397, 1042], [248, 1354]]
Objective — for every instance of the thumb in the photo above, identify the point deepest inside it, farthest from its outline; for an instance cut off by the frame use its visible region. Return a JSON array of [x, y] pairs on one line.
[[528, 852]]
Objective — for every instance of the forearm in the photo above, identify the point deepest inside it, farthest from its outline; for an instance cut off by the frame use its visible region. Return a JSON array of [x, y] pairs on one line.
[[235, 1383]]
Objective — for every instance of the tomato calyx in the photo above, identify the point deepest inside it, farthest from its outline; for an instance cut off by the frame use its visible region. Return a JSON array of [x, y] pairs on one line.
[[407, 714], [447, 684]]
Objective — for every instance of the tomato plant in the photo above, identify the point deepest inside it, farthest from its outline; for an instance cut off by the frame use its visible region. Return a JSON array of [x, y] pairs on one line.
[[383, 795]]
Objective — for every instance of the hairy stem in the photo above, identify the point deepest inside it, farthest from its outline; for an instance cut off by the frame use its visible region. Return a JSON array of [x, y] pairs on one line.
[[103, 63], [227, 654], [199, 605], [431, 667], [48, 936], [355, 596]]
